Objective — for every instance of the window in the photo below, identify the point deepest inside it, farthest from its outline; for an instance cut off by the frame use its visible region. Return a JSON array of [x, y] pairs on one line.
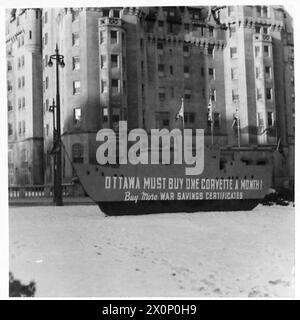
[[232, 31], [187, 94], [202, 31], [105, 114], [142, 43], [265, 30], [76, 63], [19, 103], [186, 70], [24, 157], [103, 62], [23, 126], [76, 87], [23, 102], [257, 29], [260, 120], [105, 12], [143, 90], [124, 86], [186, 51], [211, 73], [75, 39], [161, 94], [268, 72], [172, 92], [161, 69], [216, 116], [210, 31], [47, 83], [77, 115], [9, 67], [23, 81], [160, 46], [162, 120], [258, 11], [9, 86], [189, 117], [257, 51], [46, 38], [116, 115], [47, 129], [102, 37], [257, 72], [259, 93], [269, 93], [77, 153], [165, 123], [116, 13], [113, 36], [202, 72], [234, 73], [266, 51], [235, 95], [265, 11], [171, 70], [23, 61], [210, 51], [19, 63], [213, 95], [170, 28], [160, 24], [46, 17], [75, 15], [103, 86], [20, 128], [10, 129], [46, 60], [9, 105], [270, 119], [233, 53], [142, 66], [114, 60], [114, 86], [19, 83], [47, 105]]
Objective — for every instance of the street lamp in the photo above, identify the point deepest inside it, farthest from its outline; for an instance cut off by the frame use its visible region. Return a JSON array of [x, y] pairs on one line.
[[52, 109], [57, 133]]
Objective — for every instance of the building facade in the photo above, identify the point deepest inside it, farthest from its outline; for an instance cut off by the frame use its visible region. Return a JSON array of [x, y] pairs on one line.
[[136, 64], [24, 97]]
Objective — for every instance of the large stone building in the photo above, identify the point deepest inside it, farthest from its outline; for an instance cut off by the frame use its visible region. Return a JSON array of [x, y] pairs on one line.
[[24, 97], [136, 64]]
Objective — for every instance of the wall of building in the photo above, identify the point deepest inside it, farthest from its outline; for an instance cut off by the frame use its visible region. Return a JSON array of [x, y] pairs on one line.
[[23, 41], [163, 54]]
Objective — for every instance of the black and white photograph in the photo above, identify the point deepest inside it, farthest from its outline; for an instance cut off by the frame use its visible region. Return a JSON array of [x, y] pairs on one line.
[[150, 150]]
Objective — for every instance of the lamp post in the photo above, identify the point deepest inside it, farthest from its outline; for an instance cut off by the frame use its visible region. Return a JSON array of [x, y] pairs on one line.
[[57, 137], [52, 109]]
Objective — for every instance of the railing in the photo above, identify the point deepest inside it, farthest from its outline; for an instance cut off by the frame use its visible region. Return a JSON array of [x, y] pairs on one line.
[[43, 191]]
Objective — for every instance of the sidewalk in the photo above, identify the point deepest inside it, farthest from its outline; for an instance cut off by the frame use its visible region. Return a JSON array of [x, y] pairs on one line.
[[68, 201]]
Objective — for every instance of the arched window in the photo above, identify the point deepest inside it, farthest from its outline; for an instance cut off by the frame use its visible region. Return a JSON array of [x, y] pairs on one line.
[[77, 153]]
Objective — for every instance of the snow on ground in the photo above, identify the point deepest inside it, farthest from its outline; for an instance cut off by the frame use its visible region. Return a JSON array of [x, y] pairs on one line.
[[75, 251]]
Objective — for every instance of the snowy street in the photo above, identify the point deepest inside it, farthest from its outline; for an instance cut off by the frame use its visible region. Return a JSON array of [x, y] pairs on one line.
[[74, 251]]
